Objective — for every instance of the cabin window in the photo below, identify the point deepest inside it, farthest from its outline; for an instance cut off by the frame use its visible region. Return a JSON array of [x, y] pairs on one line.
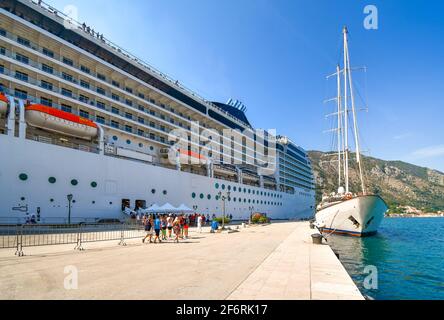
[[21, 76], [93, 184], [100, 90], [114, 110], [47, 69], [128, 129], [46, 102], [23, 176], [115, 97], [74, 182], [100, 119], [140, 132], [85, 69], [52, 180], [67, 76], [66, 108], [101, 76], [125, 203], [84, 114], [114, 124], [127, 89], [23, 41], [68, 61], [66, 92], [21, 94], [48, 53], [115, 83], [100, 105]]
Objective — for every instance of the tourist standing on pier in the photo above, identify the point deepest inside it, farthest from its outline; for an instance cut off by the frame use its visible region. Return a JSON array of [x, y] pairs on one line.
[[208, 219], [176, 228], [157, 226], [148, 228], [163, 225], [169, 225], [186, 226], [199, 223]]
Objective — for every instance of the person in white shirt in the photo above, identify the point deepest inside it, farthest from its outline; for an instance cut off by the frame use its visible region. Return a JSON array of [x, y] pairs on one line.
[[199, 224]]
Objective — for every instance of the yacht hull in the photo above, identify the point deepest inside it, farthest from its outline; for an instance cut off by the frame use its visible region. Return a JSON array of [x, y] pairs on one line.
[[359, 216]]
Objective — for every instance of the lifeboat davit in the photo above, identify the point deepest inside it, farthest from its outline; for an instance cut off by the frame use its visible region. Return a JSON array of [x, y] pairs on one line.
[[3, 104], [59, 121]]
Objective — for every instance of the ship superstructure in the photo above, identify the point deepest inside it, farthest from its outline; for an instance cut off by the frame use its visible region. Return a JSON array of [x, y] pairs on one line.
[[81, 116]]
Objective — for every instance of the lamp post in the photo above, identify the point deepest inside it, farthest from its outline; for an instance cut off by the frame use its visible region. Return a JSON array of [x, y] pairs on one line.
[[224, 197], [69, 197]]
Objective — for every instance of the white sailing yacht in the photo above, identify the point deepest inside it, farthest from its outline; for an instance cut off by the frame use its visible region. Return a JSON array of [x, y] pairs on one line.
[[344, 212]]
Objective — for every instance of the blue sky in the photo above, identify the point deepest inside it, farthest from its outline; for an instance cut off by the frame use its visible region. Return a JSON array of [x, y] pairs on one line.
[[274, 55]]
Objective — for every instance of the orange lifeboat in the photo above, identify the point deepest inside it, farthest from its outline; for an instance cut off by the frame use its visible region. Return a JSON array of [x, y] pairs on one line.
[[3, 104], [55, 120], [186, 155]]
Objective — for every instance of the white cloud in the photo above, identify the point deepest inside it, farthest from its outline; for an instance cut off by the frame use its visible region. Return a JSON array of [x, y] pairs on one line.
[[429, 152]]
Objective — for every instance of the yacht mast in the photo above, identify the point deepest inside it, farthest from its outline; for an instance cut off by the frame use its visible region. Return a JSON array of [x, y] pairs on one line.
[[355, 123], [338, 74], [344, 31]]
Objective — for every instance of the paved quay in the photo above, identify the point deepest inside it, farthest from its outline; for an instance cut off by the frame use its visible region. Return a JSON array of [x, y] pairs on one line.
[[276, 261]]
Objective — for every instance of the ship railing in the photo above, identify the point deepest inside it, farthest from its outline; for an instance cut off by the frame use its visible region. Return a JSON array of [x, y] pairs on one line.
[[120, 51], [22, 236]]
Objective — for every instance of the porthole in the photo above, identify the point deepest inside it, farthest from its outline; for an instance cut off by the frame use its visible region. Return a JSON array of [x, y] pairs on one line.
[[52, 180], [110, 202], [223, 187], [193, 195], [165, 192], [115, 138], [234, 199], [73, 201], [249, 200], [245, 200], [240, 199], [217, 185], [74, 182], [151, 148], [140, 145], [51, 200], [234, 189], [201, 196], [249, 190], [153, 191], [245, 190], [93, 202], [22, 198], [128, 141], [209, 197], [94, 184], [229, 188], [23, 176]]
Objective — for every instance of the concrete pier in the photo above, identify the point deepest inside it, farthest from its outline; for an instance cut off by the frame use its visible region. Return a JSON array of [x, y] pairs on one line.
[[277, 261]]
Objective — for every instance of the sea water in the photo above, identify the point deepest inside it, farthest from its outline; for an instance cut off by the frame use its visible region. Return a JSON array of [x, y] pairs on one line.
[[405, 260]]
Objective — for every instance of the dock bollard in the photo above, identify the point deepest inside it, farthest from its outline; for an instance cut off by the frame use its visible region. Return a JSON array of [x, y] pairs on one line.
[[317, 238], [312, 226]]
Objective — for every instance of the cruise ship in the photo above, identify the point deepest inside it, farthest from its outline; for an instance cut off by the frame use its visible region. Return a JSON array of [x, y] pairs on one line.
[[87, 130]]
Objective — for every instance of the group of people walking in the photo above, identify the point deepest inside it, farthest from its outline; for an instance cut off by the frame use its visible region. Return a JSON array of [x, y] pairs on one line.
[[166, 227]]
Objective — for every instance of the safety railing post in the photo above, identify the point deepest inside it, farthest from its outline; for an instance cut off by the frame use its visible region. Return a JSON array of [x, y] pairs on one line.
[[19, 248], [122, 235], [79, 239]]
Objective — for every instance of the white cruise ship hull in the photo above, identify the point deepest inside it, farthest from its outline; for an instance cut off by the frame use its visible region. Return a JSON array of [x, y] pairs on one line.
[[359, 216], [118, 179]]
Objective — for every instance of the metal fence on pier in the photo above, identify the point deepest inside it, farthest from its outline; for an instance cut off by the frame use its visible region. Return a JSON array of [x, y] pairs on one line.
[[33, 235]]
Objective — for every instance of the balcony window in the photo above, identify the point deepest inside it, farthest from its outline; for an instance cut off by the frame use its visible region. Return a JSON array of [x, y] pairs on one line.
[[162, 139], [114, 110], [84, 114], [114, 124], [128, 129], [2, 51], [100, 105], [21, 76], [46, 102], [48, 53], [46, 85], [2, 68], [101, 76], [68, 61], [67, 77], [127, 89], [20, 94], [153, 101], [162, 128], [152, 136], [84, 84], [141, 120], [115, 83], [21, 58], [47, 69], [152, 124], [140, 132], [152, 113], [141, 95], [23, 41], [85, 69], [100, 90], [66, 108], [66, 92], [100, 119], [128, 115], [2, 32], [83, 98], [141, 108], [129, 102], [115, 97]]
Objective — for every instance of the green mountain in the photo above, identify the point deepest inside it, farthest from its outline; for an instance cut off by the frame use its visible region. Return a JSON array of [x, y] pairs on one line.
[[399, 183]]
